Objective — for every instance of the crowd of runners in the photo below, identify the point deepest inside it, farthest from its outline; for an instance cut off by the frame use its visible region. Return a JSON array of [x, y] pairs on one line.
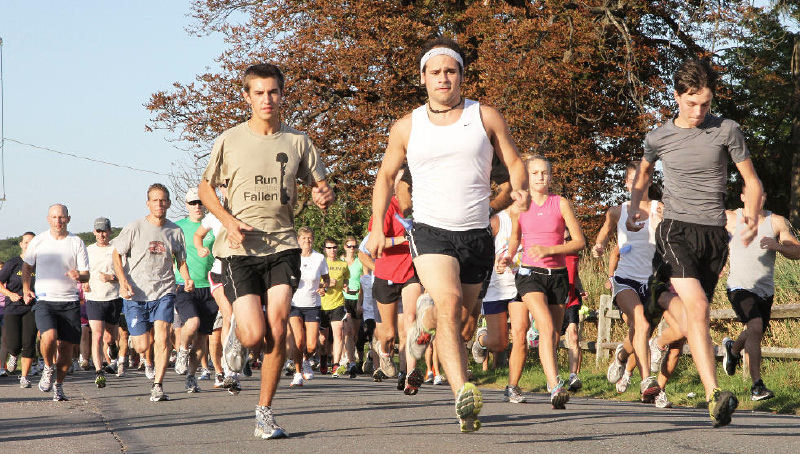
[[463, 229]]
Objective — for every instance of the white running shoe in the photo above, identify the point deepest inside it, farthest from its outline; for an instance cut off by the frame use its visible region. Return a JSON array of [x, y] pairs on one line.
[[662, 401], [149, 371], [418, 337], [624, 381], [182, 361], [439, 380], [297, 381], [617, 367], [232, 349], [11, 365], [308, 372], [46, 382], [656, 355]]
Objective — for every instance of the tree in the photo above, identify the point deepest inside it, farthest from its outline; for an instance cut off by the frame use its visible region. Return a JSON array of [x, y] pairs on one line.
[[580, 82]]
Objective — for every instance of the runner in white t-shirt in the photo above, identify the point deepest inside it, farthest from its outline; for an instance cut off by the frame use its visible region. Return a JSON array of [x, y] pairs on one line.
[[60, 259], [305, 311]]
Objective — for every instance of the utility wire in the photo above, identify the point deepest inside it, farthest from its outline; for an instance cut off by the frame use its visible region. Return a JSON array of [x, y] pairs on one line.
[[87, 158]]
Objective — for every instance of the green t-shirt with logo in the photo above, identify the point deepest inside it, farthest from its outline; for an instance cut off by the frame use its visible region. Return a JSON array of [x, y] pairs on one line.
[[198, 266], [354, 283]]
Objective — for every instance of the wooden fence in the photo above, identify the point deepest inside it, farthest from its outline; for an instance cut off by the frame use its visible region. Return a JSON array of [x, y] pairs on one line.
[[606, 314]]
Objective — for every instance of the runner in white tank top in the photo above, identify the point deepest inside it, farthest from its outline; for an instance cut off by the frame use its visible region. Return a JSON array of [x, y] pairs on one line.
[[751, 287], [629, 282], [450, 240]]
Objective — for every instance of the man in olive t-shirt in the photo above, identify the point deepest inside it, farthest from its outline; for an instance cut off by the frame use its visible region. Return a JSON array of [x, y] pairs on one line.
[[260, 161]]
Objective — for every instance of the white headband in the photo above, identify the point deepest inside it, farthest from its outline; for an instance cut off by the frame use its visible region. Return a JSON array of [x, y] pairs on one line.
[[440, 51]]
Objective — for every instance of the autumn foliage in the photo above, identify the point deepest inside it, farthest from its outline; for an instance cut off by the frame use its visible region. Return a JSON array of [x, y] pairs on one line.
[[580, 82]]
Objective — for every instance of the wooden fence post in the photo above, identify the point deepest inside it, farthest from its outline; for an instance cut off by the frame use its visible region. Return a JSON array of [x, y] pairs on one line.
[[603, 329]]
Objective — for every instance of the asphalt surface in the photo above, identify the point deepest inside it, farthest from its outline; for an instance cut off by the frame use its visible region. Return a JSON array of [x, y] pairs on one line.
[[353, 416]]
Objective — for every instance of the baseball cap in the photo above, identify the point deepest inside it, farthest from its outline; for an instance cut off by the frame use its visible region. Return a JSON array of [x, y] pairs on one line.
[[192, 196], [102, 224]]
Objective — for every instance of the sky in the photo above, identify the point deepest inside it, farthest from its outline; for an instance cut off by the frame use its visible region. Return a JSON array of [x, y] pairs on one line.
[[75, 78]]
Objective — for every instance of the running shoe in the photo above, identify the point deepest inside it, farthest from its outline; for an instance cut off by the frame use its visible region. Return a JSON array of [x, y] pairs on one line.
[[760, 392], [721, 407], [232, 349], [149, 371], [24, 382], [559, 396], [468, 404], [439, 380], [575, 383], [157, 393], [173, 356], [3, 373], [73, 366], [413, 382], [205, 374], [418, 337], [617, 367], [219, 380], [378, 376], [340, 371], [121, 367], [429, 377], [231, 383], [401, 381], [352, 369], [100, 379], [730, 359], [385, 359], [288, 368], [297, 381], [182, 361], [46, 382], [649, 389], [254, 364], [308, 372], [191, 384], [513, 394], [11, 365], [662, 401], [368, 367], [58, 393], [624, 381], [249, 365], [652, 311], [83, 363], [656, 355], [110, 368], [266, 427], [479, 352]]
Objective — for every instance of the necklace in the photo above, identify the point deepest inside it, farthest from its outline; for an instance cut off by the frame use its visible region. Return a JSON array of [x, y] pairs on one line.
[[460, 100]]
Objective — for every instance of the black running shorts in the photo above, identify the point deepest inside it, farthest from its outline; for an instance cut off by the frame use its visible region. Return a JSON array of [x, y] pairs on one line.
[[64, 317], [333, 315], [308, 314], [571, 315], [197, 303], [749, 306], [474, 249], [554, 283], [107, 311], [686, 250], [387, 292], [254, 275]]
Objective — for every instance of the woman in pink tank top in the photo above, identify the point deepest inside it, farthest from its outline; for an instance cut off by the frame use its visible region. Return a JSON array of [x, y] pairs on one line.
[[542, 280]]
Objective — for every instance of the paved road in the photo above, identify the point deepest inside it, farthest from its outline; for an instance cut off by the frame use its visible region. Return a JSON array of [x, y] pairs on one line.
[[353, 416]]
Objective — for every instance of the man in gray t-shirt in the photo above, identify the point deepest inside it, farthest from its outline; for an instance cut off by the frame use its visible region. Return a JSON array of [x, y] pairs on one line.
[[147, 281], [691, 241]]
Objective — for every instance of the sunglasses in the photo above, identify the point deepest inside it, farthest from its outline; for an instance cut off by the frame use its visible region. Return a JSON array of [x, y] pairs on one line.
[[330, 247], [350, 246], [195, 202]]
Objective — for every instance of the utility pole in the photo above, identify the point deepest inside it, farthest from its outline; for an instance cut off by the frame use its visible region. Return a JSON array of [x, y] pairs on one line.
[[794, 196]]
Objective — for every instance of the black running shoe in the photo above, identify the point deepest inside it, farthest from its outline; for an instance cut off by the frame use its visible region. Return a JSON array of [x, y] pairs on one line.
[[401, 381], [721, 407], [353, 371], [378, 376], [760, 392], [413, 382], [730, 359]]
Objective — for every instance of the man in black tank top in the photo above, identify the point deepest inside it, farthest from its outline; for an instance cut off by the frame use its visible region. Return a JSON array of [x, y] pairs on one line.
[[452, 263]]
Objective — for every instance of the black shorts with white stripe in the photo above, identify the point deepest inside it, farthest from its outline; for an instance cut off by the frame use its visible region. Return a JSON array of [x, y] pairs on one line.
[[254, 275]]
